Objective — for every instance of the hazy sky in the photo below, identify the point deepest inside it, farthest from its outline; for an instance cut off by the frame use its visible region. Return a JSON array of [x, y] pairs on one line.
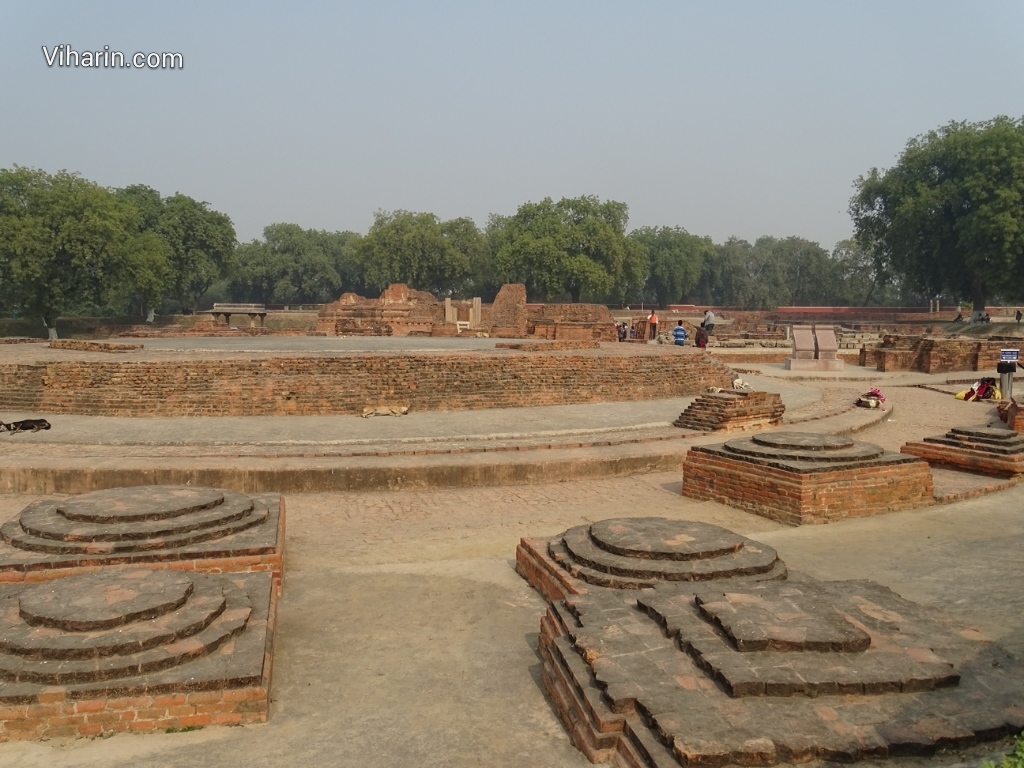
[[726, 118]]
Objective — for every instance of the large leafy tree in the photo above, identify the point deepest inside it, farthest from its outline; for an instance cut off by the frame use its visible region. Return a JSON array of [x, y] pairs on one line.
[[290, 265], [420, 250], [148, 270], [577, 246], [768, 273], [949, 216], [63, 240], [675, 259], [202, 246]]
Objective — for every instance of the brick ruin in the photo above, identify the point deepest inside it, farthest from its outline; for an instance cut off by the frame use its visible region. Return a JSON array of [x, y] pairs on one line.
[[346, 384], [987, 450], [797, 478], [401, 311], [935, 355], [732, 409], [752, 665], [138, 609], [165, 527]]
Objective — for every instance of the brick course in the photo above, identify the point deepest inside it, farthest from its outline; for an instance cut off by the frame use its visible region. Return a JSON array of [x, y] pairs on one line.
[[347, 384]]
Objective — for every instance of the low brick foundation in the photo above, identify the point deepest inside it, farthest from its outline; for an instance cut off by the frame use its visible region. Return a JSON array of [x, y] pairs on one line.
[[798, 487], [547, 346], [92, 346], [36, 547], [347, 384], [732, 409], [989, 451], [218, 673]]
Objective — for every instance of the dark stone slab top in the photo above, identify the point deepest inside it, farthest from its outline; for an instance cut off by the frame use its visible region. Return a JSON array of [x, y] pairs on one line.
[[94, 601], [661, 539], [149, 502], [803, 441]]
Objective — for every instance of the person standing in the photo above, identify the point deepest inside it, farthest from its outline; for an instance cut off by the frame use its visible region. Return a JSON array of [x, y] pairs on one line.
[[652, 322], [709, 321], [679, 334]]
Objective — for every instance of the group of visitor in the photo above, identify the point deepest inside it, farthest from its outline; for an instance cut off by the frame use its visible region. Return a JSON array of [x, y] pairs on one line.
[[679, 333]]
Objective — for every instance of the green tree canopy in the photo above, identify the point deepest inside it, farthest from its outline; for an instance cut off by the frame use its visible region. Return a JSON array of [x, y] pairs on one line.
[[420, 250], [290, 265], [202, 246], [63, 240], [577, 246], [949, 216], [675, 259]]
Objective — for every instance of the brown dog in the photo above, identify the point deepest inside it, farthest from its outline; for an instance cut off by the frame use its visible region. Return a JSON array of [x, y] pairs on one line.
[[25, 425]]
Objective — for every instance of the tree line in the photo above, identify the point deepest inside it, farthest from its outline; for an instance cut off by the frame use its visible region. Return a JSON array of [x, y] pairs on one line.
[[947, 221]]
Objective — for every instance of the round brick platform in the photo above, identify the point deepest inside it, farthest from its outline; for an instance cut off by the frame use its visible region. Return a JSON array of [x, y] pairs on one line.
[[637, 553], [132, 520], [116, 624]]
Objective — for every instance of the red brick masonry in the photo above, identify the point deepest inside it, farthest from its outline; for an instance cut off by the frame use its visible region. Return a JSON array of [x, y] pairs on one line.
[[803, 490], [347, 384], [225, 684]]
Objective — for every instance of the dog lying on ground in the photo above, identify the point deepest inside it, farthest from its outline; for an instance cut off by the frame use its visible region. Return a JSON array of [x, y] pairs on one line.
[[25, 425]]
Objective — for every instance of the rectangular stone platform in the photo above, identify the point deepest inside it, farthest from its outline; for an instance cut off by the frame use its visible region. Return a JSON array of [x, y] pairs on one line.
[[989, 451], [798, 492], [647, 680], [228, 686], [732, 409], [256, 549]]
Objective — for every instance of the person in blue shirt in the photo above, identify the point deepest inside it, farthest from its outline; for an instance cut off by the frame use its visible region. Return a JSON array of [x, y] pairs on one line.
[[679, 334]]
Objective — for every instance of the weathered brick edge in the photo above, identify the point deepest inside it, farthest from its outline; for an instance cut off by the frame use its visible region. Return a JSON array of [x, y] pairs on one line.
[[543, 574], [271, 561], [966, 460], [796, 499], [347, 384], [92, 346], [56, 714], [600, 733]]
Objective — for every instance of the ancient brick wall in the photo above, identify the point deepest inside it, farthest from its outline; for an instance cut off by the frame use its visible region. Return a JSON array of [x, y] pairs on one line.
[[339, 385], [795, 499], [92, 346], [507, 314], [909, 353]]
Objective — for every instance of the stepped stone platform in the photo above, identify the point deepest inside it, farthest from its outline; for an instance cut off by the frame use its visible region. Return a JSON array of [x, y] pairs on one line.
[[134, 649], [637, 553], [987, 450], [797, 477], [176, 527], [758, 672], [732, 409]]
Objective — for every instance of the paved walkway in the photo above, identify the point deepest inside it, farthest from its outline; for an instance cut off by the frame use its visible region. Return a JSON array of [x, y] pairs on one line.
[[424, 426]]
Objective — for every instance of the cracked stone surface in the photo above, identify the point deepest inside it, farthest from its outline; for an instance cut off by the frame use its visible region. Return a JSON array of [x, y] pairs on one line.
[[764, 672], [117, 631]]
